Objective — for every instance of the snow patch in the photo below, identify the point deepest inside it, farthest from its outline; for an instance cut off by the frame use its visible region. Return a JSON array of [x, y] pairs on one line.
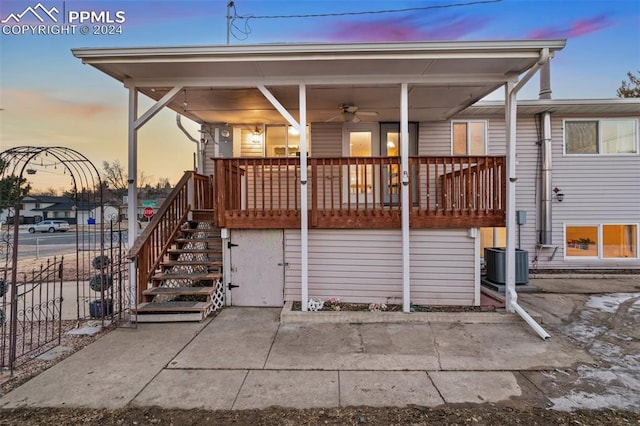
[[610, 302]]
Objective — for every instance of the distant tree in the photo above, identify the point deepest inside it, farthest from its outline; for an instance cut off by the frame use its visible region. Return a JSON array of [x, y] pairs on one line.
[[631, 88], [115, 182], [51, 191], [163, 183], [12, 188], [114, 176]]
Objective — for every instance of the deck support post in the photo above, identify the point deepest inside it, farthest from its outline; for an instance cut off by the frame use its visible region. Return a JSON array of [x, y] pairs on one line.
[[304, 211], [406, 205], [132, 194]]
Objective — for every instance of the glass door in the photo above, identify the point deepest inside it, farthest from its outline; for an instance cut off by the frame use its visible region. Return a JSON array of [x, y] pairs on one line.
[[390, 147], [360, 178]]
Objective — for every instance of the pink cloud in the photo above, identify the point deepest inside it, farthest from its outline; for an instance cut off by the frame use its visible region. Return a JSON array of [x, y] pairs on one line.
[[52, 106], [404, 30], [576, 29]]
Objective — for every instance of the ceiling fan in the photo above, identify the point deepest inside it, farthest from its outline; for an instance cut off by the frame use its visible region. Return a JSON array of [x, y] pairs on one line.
[[350, 113]]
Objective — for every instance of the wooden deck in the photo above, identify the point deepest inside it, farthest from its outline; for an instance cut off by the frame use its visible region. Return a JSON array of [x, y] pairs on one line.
[[445, 192]]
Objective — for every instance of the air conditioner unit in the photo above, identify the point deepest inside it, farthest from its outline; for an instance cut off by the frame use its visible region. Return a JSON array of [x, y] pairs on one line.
[[495, 259]]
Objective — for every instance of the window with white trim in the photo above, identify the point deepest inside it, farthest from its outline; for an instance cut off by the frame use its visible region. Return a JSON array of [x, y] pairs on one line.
[[602, 241], [469, 137], [610, 136], [283, 141]]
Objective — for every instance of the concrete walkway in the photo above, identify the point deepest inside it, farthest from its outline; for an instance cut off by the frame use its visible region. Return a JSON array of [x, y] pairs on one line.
[[245, 358], [249, 358]]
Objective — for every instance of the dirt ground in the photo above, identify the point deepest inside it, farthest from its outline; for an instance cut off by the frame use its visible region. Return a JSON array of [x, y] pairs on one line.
[[477, 415]]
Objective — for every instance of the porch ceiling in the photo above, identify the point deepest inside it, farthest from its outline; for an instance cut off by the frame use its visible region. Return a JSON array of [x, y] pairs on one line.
[[220, 81]]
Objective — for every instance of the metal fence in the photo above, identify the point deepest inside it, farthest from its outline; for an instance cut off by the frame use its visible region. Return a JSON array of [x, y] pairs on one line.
[[30, 313]]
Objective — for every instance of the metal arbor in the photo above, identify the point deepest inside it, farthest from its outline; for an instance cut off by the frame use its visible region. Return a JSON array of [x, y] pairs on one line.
[[91, 266]]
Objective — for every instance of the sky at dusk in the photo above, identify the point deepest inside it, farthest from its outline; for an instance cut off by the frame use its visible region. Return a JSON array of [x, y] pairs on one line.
[[49, 98]]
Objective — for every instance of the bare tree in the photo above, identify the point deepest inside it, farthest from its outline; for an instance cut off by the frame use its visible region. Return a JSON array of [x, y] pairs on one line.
[[114, 175], [163, 183], [631, 88]]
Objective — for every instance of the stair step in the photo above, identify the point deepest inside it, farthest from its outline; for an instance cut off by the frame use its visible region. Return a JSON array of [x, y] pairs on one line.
[[198, 240], [195, 250], [172, 263], [170, 317], [206, 214], [197, 276], [210, 233], [184, 291], [175, 307]]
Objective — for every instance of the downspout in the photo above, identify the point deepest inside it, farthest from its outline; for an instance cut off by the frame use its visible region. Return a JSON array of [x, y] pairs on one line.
[[199, 144], [511, 91]]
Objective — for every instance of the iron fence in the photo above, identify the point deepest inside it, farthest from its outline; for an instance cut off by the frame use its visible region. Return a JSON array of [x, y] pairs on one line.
[[30, 313]]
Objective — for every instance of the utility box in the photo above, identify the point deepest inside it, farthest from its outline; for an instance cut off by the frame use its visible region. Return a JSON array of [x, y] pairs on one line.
[[495, 259]]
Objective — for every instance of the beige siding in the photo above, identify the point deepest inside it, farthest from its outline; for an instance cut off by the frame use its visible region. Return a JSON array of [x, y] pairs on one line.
[[365, 266], [442, 267], [326, 139]]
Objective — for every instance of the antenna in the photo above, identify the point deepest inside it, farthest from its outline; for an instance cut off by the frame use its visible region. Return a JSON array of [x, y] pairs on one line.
[[229, 6]]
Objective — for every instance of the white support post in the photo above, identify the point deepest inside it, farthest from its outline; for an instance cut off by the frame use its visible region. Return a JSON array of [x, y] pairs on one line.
[[510, 122], [304, 212], [132, 195], [406, 205]]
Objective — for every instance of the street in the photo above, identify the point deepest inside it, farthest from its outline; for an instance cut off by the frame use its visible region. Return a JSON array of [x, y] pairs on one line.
[[44, 245]]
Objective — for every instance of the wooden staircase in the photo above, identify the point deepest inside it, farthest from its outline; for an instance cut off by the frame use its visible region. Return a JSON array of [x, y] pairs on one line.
[[187, 284]]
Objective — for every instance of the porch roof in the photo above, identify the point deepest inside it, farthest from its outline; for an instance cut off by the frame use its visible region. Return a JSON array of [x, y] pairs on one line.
[[220, 81]]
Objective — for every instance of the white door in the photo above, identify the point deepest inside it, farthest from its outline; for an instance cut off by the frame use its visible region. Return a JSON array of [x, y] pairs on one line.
[[360, 140], [257, 258]]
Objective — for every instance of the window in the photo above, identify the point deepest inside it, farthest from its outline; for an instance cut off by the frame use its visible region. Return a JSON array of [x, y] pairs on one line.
[[492, 237], [607, 241], [283, 141], [469, 137], [614, 136]]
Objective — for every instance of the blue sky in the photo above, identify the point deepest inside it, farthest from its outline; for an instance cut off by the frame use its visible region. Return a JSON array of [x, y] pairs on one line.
[[49, 98]]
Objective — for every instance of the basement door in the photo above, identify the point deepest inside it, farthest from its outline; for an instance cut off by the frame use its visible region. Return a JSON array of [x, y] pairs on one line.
[[257, 258]]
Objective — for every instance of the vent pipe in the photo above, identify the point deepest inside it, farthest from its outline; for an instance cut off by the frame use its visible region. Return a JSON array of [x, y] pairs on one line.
[[544, 238], [546, 196], [545, 81]]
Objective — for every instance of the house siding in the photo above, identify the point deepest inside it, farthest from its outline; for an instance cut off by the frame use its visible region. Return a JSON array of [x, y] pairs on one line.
[[598, 189], [365, 266]]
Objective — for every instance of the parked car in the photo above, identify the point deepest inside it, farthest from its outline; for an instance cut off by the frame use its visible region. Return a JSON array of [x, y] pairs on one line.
[[50, 226]]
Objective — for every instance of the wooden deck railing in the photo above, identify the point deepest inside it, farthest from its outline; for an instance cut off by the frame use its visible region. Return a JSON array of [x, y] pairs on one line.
[[193, 192], [360, 192]]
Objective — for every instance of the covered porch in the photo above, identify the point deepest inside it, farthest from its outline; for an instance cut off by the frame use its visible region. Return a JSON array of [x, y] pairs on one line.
[[298, 85]]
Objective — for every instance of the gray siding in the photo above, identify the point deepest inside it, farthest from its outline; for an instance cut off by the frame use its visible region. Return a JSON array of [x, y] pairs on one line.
[[598, 189], [365, 266]]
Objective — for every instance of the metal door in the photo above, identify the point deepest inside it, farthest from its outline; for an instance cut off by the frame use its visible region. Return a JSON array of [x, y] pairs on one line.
[[257, 272]]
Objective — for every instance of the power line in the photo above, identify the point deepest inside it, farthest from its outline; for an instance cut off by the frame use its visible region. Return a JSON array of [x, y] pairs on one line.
[[246, 31], [371, 12]]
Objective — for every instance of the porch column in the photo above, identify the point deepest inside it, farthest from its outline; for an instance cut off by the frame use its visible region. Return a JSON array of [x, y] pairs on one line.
[[304, 213], [132, 195], [406, 204], [510, 260]]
